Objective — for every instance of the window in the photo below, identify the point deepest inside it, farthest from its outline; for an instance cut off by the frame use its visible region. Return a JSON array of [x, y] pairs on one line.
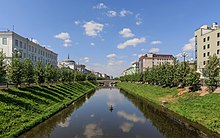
[[217, 51], [4, 41], [204, 47], [29, 48], [218, 34], [20, 43], [208, 53], [16, 42], [32, 48], [208, 38], [203, 62], [24, 55], [38, 51], [203, 39], [218, 43], [35, 50], [24, 45], [208, 46], [203, 54]]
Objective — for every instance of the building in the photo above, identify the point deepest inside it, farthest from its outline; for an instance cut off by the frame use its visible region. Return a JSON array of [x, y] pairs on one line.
[[11, 42], [207, 43], [132, 70], [68, 63], [150, 60]]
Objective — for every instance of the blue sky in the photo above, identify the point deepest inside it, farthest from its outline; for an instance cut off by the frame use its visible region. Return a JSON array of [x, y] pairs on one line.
[[108, 35]]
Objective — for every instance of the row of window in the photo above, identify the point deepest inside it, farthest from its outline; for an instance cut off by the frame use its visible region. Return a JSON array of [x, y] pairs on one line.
[[208, 38], [208, 45], [34, 49], [208, 53]]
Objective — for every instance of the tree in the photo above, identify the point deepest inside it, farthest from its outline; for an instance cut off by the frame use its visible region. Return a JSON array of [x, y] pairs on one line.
[[28, 71], [39, 73], [15, 72], [212, 72], [2, 67], [48, 72], [193, 80]]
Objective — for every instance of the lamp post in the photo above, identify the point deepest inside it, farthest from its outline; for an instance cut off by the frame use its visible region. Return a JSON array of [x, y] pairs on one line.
[[16, 54], [184, 55]]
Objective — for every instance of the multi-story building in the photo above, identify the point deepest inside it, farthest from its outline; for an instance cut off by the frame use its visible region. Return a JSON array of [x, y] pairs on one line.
[[68, 63], [11, 42], [132, 70], [150, 60], [207, 43]]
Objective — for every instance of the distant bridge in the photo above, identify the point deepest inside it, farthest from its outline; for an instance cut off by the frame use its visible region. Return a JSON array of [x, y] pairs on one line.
[[108, 82]]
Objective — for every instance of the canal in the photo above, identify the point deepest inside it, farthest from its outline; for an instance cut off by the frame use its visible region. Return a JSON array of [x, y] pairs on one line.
[[110, 112]]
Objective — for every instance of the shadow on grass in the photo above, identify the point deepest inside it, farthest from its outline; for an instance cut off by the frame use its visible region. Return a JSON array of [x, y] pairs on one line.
[[77, 91], [25, 95], [15, 102], [52, 88], [63, 90], [40, 93]]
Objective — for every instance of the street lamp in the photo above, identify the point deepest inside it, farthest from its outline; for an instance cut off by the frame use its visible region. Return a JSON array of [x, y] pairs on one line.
[[184, 55]]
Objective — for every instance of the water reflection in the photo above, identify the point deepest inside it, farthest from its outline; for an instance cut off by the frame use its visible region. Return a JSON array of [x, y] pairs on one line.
[[109, 113], [61, 119]]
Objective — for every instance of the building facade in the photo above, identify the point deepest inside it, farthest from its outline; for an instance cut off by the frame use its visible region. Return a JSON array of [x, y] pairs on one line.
[[11, 42], [207, 43], [132, 70], [150, 60], [67, 63]]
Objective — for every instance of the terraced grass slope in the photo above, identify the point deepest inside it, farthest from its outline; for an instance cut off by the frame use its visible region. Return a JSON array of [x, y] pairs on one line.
[[22, 108], [204, 110]]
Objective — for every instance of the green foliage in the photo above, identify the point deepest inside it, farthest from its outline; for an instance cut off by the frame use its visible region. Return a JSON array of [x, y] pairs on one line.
[[28, 71], [15, 72], [212, 72], [193, 80], [165, 74], [25, 107], [201, 109], [2, 67], [39, 73], [49, 70]]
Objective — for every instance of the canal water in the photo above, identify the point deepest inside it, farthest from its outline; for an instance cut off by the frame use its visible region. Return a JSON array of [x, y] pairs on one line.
[[110, 113]]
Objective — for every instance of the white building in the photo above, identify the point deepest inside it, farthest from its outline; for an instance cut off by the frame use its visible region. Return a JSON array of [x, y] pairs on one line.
[[68, 63], [207, 43], [10, 41]]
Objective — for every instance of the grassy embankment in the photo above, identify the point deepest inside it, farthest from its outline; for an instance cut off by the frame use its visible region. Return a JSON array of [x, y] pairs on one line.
[[22, 108], [204, 110]]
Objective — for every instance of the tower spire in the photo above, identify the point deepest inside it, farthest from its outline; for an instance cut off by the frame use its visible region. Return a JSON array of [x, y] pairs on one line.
[[68, 56]]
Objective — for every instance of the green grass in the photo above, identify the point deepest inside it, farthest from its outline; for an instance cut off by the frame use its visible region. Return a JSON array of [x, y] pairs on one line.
[[204, 110], [23, 108]]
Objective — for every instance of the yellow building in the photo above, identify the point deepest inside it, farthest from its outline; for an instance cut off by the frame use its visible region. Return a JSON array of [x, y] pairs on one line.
[[207, 43]]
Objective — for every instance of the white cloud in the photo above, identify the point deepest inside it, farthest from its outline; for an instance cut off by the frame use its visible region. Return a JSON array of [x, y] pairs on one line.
[[154, 50], [65, 37], [190, 46], [62, 36], [100, 6], [178, 55], [67, 41], [134, 55], [92, 28], [111, 56], [138, 19], [124, 12], [131, 117], [132, 42], [126, 127], [66, 44], [35, 41], [111, 13], [85, 59], [92, 130], [156, 42], [126, 32], [77, 22], [92, 44]]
